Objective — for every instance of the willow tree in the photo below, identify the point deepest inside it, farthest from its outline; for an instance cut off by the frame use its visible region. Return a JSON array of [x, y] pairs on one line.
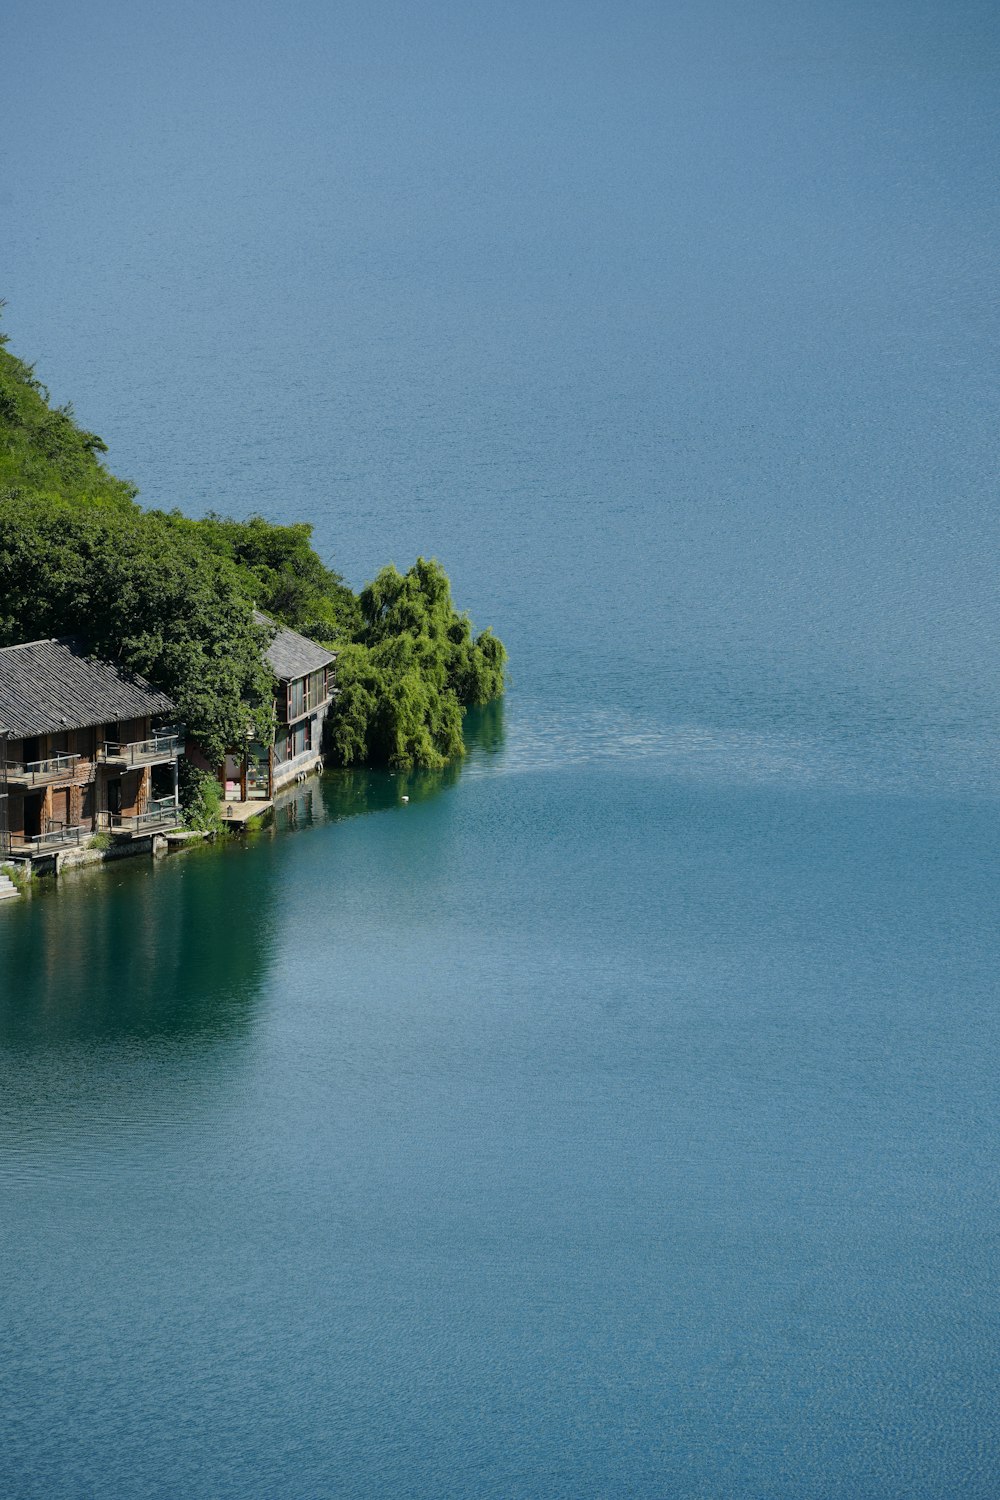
[[413, 669]]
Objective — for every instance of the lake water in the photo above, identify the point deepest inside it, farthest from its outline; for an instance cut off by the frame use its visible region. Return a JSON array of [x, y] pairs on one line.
[[617, 1116]]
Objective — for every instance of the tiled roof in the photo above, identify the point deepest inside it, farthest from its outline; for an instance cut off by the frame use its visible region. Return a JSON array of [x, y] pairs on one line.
[[47, 686], [292, 655]]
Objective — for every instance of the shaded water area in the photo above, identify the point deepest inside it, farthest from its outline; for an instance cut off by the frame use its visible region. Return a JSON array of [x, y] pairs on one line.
[[617, 1115]]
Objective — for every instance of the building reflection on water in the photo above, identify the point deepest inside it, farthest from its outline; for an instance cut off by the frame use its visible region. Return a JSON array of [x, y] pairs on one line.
[[174, 948]]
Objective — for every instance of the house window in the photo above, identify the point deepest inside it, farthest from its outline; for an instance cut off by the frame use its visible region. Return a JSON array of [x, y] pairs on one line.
[[296, 698], [258, 772], [315, 690], [300, 738]]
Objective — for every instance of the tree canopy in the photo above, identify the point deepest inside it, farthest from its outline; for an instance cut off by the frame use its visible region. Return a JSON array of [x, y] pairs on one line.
[[143, 595], [413, 668], [283, 572]]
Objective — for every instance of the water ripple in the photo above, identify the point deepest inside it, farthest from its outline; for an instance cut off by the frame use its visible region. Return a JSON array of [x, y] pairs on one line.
[[896, 760]]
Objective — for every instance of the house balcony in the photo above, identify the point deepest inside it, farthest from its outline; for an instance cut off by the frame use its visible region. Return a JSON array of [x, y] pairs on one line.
[[35, 773], [165, 745], [158, 817], [56, 836]]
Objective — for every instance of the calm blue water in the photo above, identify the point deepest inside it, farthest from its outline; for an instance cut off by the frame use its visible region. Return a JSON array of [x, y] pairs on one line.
[[617, 1117]]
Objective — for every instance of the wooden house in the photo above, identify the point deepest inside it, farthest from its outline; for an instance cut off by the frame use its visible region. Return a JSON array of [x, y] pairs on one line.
[[84, 748], [303, 691]]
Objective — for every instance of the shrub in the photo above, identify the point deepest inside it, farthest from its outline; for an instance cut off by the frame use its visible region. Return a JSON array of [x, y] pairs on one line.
[[201, 796]]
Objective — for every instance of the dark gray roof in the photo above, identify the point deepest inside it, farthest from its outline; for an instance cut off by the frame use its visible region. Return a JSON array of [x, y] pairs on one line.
[[46, 686], [290, 654]]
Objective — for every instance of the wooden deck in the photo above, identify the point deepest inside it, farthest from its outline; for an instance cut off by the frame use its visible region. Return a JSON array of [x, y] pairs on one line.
[[238, 813]]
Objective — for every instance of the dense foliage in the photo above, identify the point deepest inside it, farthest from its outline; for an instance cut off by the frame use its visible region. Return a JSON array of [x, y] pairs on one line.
[[415, 665], [142, 595], [173, 598], [279, 568]]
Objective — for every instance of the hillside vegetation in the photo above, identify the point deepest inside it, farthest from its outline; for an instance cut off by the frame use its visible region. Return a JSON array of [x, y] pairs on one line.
[[172, 597]]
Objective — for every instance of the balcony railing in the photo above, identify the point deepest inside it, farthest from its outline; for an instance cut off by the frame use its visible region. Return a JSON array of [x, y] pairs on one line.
[[41, 772], [164, 813], [165, 744], [56, 836]]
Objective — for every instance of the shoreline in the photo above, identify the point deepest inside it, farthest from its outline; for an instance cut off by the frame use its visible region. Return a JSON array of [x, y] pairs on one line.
[[25, 874]]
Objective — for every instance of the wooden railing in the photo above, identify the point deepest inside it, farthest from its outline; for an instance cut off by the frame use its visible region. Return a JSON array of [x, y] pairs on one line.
[[163, 813], [40, 772], [56, 835], [164, 745]]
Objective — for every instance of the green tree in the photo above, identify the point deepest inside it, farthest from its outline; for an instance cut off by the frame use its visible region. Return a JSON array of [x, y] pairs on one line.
[[415, 667], [282, 572], [143, 596]]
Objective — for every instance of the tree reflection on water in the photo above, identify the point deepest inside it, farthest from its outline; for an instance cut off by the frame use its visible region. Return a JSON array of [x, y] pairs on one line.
[[348, 793]]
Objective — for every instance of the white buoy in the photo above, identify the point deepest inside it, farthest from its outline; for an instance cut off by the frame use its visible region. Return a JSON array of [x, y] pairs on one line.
[[406, 799]]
